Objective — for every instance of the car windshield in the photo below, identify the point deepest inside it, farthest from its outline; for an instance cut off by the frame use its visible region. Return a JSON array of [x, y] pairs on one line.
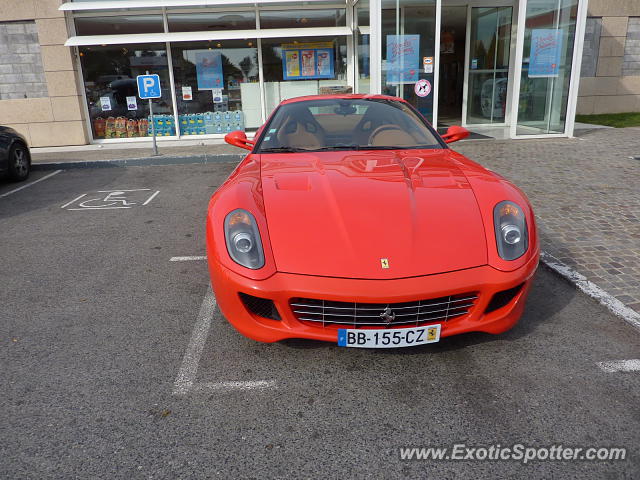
[[346, 124]]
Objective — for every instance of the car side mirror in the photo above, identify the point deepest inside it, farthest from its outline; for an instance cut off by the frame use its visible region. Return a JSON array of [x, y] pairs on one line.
[[239, 139], [455, 133]]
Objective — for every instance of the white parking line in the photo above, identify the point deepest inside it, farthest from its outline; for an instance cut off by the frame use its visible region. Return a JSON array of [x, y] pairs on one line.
[[29, 184], [594, 291], [620, 366], [187, 374], [187, 259], [185, 381], [255, 385]]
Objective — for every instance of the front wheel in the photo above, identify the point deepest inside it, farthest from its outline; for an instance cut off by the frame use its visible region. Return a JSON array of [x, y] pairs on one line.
[[19, 163]]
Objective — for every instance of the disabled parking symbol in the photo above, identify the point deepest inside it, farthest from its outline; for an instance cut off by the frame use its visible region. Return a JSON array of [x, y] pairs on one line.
[[112, 199]]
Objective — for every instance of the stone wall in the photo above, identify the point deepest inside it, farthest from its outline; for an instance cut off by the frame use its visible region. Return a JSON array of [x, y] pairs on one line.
[[615, 85], [57, 118], [21, 72]]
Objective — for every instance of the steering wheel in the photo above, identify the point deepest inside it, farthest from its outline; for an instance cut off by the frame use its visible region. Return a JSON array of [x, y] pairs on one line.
[[382, 128]]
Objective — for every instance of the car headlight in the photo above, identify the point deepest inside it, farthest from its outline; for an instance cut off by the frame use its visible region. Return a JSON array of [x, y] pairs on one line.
[[510, 226], [243, 239]]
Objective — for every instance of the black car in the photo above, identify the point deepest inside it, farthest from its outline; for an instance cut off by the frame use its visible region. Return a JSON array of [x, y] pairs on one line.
[[15, 158]]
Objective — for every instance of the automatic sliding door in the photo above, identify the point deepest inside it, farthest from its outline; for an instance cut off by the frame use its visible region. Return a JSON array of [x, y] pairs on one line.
[[488, 68]]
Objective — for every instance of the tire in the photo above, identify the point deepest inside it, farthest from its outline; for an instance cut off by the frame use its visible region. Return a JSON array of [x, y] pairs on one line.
[[19, 162]]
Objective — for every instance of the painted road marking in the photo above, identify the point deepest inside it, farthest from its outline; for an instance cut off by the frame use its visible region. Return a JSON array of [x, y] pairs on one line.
[[29, 184], [187, 374], [111, 199], [594, 291], [185, 380], [249, 385], [188, 259], [620, 366]]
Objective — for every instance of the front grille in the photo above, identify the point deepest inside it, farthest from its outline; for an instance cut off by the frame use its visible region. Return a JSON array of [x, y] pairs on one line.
[[336, 314]]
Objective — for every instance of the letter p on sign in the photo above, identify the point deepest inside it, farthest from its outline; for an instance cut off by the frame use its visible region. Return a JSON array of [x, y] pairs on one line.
[[149, 86]]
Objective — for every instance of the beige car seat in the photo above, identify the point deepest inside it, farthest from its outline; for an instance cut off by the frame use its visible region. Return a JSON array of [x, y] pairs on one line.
[[297, 133]]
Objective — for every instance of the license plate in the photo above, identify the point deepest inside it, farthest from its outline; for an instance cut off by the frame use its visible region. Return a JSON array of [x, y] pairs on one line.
[[394, 338]]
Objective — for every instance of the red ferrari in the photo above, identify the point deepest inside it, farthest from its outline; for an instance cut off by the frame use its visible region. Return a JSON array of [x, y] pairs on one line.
[[351, 221]]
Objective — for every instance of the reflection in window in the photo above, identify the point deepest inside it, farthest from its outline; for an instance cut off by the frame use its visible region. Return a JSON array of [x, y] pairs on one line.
[[119, 25], [202, 22], [305, 73], [110, 86], [217, 89]]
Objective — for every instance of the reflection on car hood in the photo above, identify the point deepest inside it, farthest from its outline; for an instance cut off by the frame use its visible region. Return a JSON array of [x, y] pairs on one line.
[[340, 214]]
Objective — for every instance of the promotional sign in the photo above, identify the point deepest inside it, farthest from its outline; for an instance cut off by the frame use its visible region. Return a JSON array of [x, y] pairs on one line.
[[132, 103], [474, 64], [187, 93], [402, 58], [209, 70], [105, 103], [422, 88], [217, 95], [546, 49], [149, 86], [427, 62], [307, 61]]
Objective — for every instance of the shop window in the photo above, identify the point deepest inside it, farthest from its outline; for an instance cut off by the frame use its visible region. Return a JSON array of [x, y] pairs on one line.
[[203, 22], [109, 74], [302, 18], [310, 66], [217, 86], [119, 25]]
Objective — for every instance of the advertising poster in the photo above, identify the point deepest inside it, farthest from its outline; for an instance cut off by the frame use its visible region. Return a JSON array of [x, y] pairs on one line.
[[323, 59], [187, 94], [105, 103], [217, 95], [132, 103], [403, 62], [546, 49], [292, 63], [209, 70], [306, 61]]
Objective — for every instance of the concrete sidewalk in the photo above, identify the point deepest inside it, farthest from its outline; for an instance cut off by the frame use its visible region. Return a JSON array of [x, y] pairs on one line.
[[136, 153]]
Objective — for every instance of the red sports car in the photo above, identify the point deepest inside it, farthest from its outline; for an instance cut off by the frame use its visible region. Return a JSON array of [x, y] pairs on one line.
[[351, 221]]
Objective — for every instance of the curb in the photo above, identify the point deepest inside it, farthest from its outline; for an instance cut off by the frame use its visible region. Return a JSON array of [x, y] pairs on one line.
[[578, 280], [136, 162]]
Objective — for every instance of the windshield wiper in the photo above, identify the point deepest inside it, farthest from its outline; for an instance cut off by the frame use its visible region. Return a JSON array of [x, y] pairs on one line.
[[338, 147], [283, 150]]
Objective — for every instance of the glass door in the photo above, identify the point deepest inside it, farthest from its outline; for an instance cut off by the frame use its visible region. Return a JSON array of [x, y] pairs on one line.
[[488, 65], [408, 51], [549, 36]]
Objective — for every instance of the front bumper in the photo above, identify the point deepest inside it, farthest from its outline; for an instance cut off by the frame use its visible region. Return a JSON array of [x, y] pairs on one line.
[[281, 287]]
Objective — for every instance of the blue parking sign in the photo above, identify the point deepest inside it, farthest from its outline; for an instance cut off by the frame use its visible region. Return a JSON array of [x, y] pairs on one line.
[[149, 86]]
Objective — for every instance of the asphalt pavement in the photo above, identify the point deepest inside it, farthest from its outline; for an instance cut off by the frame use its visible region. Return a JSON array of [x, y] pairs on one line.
[[98, 328]]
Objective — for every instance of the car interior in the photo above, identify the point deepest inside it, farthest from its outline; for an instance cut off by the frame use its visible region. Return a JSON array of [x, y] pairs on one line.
[[312, 127]]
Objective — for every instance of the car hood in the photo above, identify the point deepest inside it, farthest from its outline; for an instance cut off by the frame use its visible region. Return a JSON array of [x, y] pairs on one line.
[[371, 215]]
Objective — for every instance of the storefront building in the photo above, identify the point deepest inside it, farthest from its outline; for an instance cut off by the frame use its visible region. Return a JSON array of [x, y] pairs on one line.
[[502, 68]]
